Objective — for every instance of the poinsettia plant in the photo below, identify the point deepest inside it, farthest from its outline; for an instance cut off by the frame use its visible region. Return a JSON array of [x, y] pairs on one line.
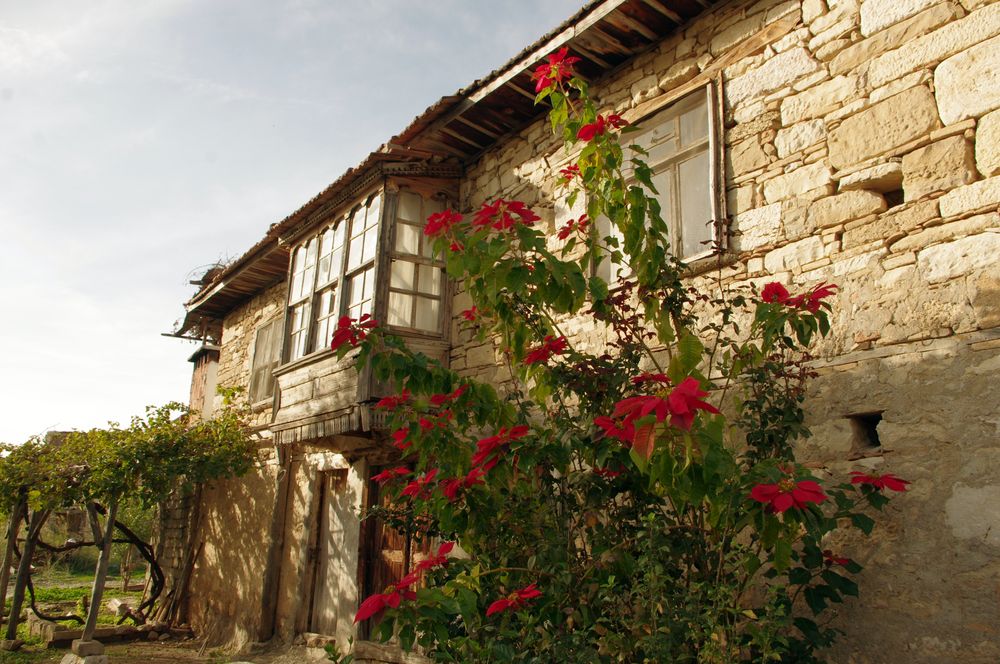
[[628, 493]]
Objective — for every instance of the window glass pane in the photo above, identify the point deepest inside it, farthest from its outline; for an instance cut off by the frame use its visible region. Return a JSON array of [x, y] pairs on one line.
[[694, 123], [695, 204], [402, 275], [299, 330], [409, 206], [664, 183], [400, 309], [370, 244], [325, 249], [428, 314], [430, 280], [609, 270], [374, 211], [323, 333], [359, 294], [355, 255], [407, 239]]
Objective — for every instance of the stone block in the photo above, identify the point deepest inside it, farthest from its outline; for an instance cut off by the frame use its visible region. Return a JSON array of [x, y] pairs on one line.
[[735, 34], [881, 177], [758, 123], [85, 648], [967, 85], [880, 14], [960, 35], [952, 260], [812, 9], [677, 74], [982, 194], [746, 156], [776, 72], [844, 207], [988, 144], [797, 182], [886, 125], [940, 166], [819, 100], [759, 227], [793, 255], [799, 136]]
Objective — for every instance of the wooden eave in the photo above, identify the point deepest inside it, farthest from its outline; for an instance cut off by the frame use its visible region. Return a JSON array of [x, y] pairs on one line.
[[458, 128]]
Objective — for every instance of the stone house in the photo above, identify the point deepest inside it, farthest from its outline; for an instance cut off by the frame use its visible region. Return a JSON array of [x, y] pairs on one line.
[[848, 141]]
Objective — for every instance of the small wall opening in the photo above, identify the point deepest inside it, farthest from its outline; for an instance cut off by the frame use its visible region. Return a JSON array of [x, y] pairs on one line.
[[866, 441], [893, 197]]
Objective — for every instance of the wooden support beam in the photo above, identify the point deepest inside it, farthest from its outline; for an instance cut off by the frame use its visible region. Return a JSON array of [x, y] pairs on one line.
[[590, 55], [611, 41], [477, 127], [669, 13], [517, 88], [637, 26], [455, 134]]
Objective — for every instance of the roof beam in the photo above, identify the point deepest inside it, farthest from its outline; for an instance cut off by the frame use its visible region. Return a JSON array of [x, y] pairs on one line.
[[455, 134], [669, 13], [637, 26], [478, 127]]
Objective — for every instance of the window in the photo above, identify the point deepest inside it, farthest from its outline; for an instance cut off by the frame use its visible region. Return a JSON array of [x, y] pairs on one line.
[[318, 268], [681, 142], [266, 356], [416, 280]]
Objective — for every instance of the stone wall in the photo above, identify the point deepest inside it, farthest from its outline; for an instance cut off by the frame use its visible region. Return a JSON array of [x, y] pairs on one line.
[[239, 331], [862, 147]]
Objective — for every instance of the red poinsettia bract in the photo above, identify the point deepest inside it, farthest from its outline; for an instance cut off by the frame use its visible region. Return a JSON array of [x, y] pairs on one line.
[[391, 598], [399, 438], [349, 333], [392, 403], [557, 68], [574, 226], [503, 215], [600, 126], [439, 559], [886, 481], [775, 293], [788, 493], [515, 600], [419, 486], [391, 474], [440, 223], [550, 346], [471, 315], [441, 399], [830, 560]]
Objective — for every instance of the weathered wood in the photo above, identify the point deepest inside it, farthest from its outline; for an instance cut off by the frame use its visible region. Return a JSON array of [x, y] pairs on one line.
[[13, 528], [38, 518], [101, 575], [276, 544]]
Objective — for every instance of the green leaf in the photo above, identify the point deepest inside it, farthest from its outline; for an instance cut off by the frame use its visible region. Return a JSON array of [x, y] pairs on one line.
[[864, 522]]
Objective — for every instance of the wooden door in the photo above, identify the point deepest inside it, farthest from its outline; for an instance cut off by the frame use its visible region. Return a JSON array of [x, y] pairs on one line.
[[329, 551]]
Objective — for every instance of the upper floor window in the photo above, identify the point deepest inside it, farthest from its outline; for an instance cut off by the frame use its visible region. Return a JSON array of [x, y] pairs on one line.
[[266, 356], [416, 282], [318, 270], [681, 142]]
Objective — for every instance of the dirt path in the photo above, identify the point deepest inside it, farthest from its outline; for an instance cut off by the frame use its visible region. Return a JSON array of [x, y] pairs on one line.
[[172, 653]]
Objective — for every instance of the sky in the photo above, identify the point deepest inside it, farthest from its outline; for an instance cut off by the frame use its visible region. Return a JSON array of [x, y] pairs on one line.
[[141, 142]]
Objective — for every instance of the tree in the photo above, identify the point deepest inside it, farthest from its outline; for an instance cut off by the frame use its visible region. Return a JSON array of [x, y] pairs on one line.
[[629, 500]]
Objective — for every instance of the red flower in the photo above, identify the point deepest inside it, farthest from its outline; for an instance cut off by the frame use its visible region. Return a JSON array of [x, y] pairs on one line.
[[487, 447], [598, 128], [456, 247], [426, 424], [573, 225], [607, 473], [788, 493], [623, 431], [391, 598], [391, 474], [811, 301], [774, 293], [502, 215], [347, 332], [685, 400], [887, 481], [555, 71], [440, 559], [399, 438], [570, 172], [515, 600], [419, 486], [550, 346], [441, 399], [471, 314], [440, 223], [830, 560], [392, 403]]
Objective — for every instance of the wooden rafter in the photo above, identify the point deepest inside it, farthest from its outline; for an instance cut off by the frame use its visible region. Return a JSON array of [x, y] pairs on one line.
[[455, 134], [478, 127], [636, 25], [669, 13]]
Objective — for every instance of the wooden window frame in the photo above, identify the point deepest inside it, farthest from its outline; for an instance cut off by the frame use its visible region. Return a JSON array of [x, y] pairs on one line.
[[275, 342]]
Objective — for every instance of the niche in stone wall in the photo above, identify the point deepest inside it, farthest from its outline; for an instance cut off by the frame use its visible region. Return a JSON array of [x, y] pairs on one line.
[[865, 440]]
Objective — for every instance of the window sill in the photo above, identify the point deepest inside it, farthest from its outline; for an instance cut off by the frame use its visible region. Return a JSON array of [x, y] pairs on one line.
[[311, 358], [705, 264]]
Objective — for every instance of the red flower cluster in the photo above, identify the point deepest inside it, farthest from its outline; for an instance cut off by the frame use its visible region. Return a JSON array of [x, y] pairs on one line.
[[577, 225], [487, 449], [471, 314], [397, 592], [442, 399], [606, 473], [515, 600], [399, 437], [830, 560], [600, 126], [391, 474], [418, 487], [887, 481], [555, 71], [550, 346], [788, 493], [570, 172], [391, 598], [650, 378], [450, 488], [348, 332], [440, 223], [775, 293], [392, 403], [503, 215]]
